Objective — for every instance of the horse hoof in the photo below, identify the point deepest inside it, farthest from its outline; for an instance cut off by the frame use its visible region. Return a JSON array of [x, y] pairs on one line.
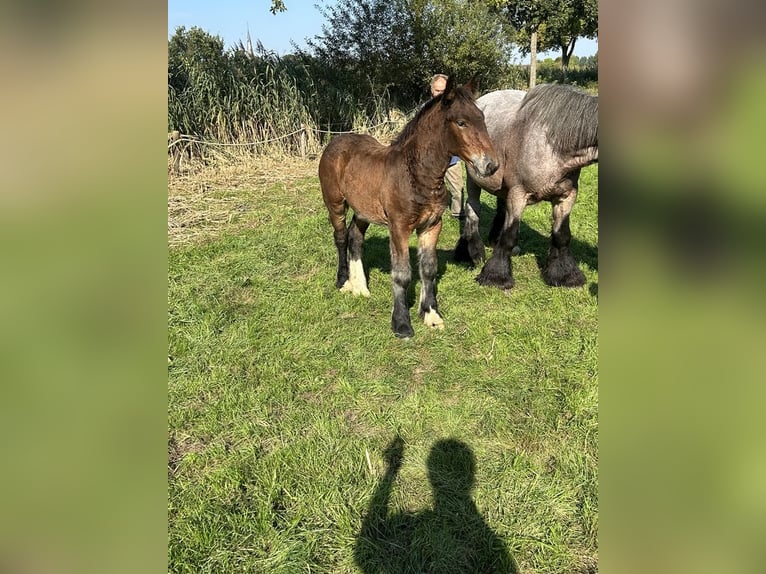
[[515, 251], [573, 279], [492, 280], [433, 319], [404, 332], [562, 271], [471, 252], [355, 290]]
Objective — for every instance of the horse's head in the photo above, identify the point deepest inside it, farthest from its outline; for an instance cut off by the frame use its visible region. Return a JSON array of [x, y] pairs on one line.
[[467, 135]]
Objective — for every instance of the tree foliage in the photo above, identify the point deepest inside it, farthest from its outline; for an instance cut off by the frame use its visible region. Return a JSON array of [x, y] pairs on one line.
[[372, 56], [394, 46], [558, 23], [277, 6]]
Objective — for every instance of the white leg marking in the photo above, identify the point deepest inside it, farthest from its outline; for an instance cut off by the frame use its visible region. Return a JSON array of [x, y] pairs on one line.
[[433, 319], [357, 282]]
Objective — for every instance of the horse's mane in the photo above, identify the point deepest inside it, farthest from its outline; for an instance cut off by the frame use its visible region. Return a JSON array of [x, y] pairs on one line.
[[409, 129], [411, 126], [568, 115]]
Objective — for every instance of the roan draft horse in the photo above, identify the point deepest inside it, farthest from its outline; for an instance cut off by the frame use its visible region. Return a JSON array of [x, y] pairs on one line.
[[543, 139], [402, 186]]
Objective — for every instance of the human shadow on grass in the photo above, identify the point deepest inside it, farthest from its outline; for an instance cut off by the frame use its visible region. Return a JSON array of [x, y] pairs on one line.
[[452, 537]]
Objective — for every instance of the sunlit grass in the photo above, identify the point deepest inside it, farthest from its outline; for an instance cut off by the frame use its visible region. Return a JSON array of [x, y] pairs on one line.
[[281, 389]]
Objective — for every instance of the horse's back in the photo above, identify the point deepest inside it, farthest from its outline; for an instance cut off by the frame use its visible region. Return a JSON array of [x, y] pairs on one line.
[[352, 169], [344, 148], [340, 152], [500, 109], [357, 143]]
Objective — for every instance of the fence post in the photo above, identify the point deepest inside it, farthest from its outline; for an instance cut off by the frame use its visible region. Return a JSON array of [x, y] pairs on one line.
[[175, 135], [303, 143]]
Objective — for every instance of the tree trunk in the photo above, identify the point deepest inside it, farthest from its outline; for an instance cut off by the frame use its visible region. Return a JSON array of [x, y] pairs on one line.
[[566, 54], [533, 60]]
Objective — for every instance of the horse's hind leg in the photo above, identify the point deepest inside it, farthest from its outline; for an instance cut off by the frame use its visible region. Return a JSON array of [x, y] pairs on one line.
[[561, 268], [470, 248], [401, 276], [428, 264], [340, 234], [357, 282]]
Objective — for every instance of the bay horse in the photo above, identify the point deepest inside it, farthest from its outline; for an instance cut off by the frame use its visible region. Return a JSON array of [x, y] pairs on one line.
[[543, 139], [402, 186]]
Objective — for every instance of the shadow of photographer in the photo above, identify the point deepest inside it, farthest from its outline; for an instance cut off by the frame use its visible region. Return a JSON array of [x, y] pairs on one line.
[[452, 537]]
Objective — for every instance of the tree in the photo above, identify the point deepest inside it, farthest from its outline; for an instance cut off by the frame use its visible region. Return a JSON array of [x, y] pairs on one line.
[[192, 53], [394, 46], [570, 19], [527, 17], [551, 24]]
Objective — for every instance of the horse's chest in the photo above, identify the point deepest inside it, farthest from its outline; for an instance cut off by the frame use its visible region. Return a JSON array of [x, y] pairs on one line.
[[431, 211]]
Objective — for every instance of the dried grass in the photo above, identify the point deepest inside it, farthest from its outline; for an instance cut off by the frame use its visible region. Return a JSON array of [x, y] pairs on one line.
[[200, 204]]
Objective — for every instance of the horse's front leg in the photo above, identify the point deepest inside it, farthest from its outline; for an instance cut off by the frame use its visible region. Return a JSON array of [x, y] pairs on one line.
[[470, 248], [498, 224], [428, 263], [561, 268], [401, 276], [498, 270]]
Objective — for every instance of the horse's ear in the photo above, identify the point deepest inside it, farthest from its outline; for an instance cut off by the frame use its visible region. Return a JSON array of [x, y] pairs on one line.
[[449, 90], [473, 86]]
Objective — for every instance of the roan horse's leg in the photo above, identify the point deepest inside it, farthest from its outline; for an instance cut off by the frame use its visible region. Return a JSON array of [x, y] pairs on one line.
[[428, 263], [561, 268], [498, 271], [401, 276], [498, 223], [470, 248], [357, 282]]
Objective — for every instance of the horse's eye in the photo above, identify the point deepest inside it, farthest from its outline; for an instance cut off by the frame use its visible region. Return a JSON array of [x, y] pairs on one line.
[[461, 123]]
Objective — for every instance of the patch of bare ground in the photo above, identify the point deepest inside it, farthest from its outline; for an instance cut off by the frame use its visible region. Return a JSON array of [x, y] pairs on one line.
[[177, 449]]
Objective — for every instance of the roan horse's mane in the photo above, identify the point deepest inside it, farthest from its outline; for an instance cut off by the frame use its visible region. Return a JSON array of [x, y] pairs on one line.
[[568, 116]]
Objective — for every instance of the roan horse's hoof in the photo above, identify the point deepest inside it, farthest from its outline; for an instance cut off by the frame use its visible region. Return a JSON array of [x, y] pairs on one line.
[[489, 279], [404, 331], [562, 271], [470, 253]]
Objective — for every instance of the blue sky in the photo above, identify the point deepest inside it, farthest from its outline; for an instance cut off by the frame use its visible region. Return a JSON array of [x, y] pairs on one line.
[[231, 19]]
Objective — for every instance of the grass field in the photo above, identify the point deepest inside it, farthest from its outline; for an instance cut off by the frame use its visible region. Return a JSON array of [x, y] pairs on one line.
[[286, 397]]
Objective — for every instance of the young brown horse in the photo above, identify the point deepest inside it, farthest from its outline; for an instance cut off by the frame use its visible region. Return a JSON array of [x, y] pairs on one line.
[[402, 186]]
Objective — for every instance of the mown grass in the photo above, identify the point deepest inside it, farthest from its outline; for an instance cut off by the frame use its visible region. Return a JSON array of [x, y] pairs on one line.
[[285, 393]]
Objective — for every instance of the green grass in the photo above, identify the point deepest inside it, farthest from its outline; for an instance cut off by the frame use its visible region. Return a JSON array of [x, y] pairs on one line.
[[280, 386]]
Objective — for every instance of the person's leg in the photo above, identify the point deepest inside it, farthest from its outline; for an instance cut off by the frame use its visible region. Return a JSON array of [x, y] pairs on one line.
[[454, 180]]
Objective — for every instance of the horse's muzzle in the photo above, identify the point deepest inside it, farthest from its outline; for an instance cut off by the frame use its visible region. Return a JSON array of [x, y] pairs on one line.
[[487, 173], [485, 166]]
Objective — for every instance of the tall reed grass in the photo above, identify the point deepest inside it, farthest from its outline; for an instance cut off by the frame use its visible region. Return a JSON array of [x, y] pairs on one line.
[[268, 103]]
